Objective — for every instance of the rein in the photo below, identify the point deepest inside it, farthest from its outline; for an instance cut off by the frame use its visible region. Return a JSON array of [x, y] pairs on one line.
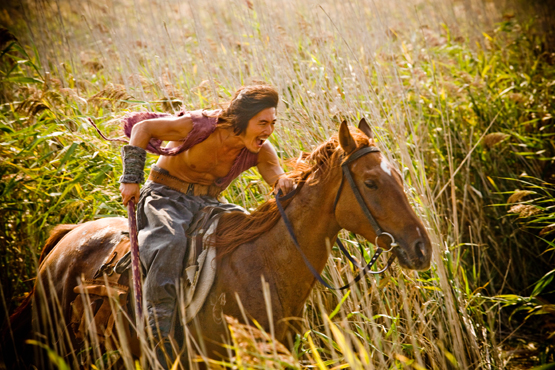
[[379, 232]]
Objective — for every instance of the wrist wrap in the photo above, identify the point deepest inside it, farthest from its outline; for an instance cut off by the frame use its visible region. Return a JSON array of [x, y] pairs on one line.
[[134, 159]]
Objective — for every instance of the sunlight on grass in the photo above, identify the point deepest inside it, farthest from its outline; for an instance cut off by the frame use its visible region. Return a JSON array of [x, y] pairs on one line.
[[460, 100]]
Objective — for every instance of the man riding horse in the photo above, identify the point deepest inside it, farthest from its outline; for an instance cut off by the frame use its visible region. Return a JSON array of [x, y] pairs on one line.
[[206, 151], [345, 183]]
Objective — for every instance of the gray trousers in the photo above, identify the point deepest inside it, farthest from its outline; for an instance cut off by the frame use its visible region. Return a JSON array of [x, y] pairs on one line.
[[163, 216]]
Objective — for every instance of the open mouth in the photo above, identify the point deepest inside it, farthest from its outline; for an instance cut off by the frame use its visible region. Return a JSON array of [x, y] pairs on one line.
[[260, 142]]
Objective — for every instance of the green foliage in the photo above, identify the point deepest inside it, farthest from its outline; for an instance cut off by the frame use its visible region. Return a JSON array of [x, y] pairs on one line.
[[52, 171], [489, 113]]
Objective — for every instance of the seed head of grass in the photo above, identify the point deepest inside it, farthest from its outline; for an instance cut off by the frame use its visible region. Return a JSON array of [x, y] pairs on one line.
[[255, 347], [518, 195], [490, 140], [517, 97], [547, 230], [112, 93], [525, 210]]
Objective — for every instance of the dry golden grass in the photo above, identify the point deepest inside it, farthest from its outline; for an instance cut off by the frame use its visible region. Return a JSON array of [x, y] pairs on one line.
[[425, 75]]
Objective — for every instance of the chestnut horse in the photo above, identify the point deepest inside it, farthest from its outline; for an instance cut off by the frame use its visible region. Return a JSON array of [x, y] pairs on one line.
[[258, 245]]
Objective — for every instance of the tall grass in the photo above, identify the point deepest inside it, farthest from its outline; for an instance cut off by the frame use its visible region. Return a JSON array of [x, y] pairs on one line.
[[460, 97]]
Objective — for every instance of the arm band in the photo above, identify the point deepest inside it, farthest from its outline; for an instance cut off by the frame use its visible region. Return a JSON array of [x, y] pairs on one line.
[[134, 159]]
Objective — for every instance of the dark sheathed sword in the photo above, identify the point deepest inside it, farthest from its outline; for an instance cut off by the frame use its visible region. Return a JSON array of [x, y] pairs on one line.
[[135, 269]]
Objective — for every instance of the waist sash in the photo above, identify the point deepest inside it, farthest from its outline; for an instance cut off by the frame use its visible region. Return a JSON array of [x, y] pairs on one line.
[[181, 186]]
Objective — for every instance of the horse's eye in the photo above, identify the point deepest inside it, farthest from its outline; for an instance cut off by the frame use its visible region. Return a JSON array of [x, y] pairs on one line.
[[370, 184]]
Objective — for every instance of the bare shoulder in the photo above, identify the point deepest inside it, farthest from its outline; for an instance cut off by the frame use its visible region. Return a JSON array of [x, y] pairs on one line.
[[171, 128], [185, 121], [267, 153], [267, 156], [268, 163]]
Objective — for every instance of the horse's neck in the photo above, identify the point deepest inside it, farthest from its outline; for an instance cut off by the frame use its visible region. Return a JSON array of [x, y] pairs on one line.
[[312, 217]]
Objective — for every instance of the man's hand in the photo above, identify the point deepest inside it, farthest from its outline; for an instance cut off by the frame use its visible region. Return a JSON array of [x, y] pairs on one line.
[[285, 184], [129, 191]]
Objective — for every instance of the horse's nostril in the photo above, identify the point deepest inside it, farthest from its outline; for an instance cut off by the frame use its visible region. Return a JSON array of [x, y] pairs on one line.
[[420, 249]]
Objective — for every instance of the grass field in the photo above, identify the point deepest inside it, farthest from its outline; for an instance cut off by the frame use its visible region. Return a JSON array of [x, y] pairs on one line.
[[460, 94]]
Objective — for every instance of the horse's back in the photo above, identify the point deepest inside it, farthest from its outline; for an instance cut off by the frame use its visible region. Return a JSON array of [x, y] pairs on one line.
[[79, 254]]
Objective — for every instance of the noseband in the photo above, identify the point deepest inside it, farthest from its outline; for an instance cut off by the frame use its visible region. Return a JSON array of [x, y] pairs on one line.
[[379, 232]]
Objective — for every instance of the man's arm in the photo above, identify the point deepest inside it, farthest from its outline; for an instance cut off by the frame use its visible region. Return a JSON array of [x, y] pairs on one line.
[[166, 129], [271, 171]]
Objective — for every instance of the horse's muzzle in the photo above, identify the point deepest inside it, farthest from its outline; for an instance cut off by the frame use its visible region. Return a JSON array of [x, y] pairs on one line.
[[416, 257]]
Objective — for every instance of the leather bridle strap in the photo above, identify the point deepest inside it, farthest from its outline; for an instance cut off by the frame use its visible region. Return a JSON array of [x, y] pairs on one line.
[[364, 271], [347, 175]]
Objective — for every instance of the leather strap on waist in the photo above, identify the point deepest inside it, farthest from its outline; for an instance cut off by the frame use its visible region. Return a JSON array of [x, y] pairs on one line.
[[184, 187]]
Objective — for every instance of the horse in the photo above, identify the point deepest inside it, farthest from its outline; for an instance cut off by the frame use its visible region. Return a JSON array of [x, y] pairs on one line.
[[255, 251]]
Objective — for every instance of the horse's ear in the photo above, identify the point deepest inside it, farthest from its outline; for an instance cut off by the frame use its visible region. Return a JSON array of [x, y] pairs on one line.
[[364, 127], [346, 141]]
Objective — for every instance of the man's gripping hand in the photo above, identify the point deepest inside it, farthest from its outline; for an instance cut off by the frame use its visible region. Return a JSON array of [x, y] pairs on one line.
[[285, 184], [129, 191]]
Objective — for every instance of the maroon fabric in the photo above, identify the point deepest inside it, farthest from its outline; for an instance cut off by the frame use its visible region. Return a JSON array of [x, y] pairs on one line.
[[204, 124], [243, 162]]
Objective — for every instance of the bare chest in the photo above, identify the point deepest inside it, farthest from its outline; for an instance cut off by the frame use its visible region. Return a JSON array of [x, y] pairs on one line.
[[203, 163]]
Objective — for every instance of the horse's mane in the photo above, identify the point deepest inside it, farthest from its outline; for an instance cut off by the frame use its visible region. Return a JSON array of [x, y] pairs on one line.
[[237, 228]]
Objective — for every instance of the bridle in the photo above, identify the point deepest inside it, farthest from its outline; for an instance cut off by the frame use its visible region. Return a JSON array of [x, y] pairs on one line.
[[379, 232]]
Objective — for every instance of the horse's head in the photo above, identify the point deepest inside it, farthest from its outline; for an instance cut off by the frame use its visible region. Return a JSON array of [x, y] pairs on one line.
[[381, 190]]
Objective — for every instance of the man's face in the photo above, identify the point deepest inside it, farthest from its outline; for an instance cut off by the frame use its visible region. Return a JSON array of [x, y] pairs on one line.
[[259, 129]]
